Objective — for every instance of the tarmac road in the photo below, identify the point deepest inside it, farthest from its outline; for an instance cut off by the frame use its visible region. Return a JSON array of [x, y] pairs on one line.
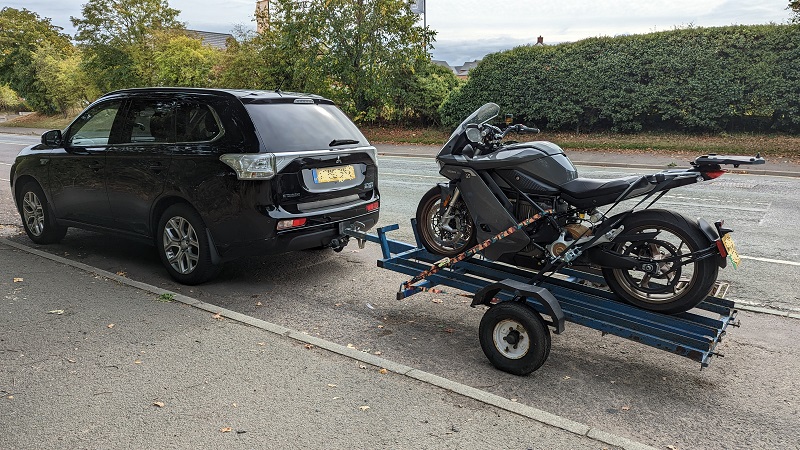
[[607, 383]]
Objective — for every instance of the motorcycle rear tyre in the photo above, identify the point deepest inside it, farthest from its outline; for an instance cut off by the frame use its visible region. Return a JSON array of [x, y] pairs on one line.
[[704, 273]]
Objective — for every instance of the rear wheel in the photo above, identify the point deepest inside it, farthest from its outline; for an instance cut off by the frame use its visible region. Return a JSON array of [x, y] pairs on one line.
[[674, 285], [514, 338], [183, 245], [444, 237], [37, 216]]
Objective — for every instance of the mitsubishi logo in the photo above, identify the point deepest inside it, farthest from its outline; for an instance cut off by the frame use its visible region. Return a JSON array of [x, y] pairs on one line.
[[338, 160]]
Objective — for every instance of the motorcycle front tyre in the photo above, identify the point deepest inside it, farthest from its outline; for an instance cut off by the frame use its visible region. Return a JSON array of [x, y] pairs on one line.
[[433, 237]]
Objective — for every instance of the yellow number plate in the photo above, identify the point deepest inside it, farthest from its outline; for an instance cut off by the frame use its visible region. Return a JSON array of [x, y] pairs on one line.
[[730, 247], [334, 174]]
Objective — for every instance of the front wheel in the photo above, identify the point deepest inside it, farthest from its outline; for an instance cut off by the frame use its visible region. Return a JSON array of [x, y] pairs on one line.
[[444, 236], [676, 284], [183, 245], [37, 217], [514, 338]]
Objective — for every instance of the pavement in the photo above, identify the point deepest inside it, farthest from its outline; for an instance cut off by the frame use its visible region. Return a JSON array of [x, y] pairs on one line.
[[121, 364]]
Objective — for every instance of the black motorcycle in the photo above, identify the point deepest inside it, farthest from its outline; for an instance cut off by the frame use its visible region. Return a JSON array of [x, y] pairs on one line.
[[653, 258]]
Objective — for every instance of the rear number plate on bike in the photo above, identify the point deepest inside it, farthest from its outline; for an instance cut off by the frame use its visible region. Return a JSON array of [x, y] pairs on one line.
[[730, 247], [334, 174]]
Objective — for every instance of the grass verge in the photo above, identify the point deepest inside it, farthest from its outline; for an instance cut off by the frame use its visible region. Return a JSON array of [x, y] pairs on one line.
[[733, 144]]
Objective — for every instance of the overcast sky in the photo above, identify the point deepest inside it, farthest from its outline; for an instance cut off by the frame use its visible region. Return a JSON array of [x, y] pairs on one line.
[[469, 29]]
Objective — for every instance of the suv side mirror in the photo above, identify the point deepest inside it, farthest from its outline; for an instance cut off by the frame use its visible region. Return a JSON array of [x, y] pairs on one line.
[[52, 138]]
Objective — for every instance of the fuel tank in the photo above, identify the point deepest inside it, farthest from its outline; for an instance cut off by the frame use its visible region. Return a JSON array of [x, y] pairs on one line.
[[541, 160]]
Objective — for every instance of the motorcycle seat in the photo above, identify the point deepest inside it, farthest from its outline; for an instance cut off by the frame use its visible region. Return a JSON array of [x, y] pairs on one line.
[[590, 192]]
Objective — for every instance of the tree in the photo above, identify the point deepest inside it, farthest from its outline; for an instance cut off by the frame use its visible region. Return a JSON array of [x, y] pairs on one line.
[[117, 38], [355, 51], [21, 32], [180, 60], [59, 74], [794, 5]]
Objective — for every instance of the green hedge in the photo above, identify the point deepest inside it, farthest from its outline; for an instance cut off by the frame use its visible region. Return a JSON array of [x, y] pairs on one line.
[[737, 78]]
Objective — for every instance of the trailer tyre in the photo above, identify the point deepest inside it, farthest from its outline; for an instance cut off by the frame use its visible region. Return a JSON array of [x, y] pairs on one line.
[[514, 338]]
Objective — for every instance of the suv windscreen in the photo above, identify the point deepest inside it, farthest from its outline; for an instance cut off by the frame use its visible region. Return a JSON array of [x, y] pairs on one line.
[[292, 127]]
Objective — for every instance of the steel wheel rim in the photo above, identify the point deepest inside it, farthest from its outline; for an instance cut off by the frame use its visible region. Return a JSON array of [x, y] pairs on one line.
[[180, 245], [630, 280], [33, 213], [511, 339]]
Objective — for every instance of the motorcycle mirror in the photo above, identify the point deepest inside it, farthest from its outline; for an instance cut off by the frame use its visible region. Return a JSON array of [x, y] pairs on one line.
[[473, 133]]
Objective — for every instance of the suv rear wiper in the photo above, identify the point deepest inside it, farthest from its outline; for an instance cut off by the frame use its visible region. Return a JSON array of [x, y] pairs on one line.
[[336, 142]]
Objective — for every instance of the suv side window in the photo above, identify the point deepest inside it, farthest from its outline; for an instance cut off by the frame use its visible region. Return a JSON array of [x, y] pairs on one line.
[[196, 122], [93, 127], [149, 121]]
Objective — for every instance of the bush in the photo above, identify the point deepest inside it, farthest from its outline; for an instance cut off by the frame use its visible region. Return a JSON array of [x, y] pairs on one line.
[[696, 79]]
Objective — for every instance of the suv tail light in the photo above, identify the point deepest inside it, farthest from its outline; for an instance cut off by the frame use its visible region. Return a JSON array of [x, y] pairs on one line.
[[373, 206], [291, 223], [251, 166]]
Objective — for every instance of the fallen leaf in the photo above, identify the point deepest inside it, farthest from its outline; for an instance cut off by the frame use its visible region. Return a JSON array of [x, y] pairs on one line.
[[380, 326], [672, 447], [567, 377], [226, 430], [122, 274], [383, 371], [377, 353], [351, 346], [363, 408], [56, 311], [10, 397], [514, 400], [259, 304], [337, 304], [235, 405], [262, 343], [625, 408], [449, 330], [18, 280], [159, 404], [309, 346], [137, 362], [331, 385], [217, 316], [361, 366], [437, 300], [111, 325]]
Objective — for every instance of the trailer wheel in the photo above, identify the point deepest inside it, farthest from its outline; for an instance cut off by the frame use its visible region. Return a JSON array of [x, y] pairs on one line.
[[514, 338]]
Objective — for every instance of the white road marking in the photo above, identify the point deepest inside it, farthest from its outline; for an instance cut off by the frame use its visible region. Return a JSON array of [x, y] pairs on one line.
[[774, 261], [412, 175], [17, 143], [5, 164], [2, 179]]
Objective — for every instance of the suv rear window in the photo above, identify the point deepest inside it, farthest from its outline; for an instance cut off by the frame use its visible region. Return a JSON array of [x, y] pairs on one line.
[[292, 127]]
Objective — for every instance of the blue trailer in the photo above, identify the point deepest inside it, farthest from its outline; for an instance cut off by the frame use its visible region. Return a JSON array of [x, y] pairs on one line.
[[515, 331]]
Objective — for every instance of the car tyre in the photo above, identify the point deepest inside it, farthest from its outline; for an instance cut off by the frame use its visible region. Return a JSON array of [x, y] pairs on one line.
[[183, 245], [37, 217]]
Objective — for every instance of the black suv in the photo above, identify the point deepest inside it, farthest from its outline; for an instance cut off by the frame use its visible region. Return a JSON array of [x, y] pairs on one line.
[[207, 175]]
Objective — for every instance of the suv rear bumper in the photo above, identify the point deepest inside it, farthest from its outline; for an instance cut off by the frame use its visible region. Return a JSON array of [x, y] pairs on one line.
[[292, 240]]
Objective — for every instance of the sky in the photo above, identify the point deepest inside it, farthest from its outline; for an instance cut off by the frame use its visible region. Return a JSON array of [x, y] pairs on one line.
[[469, 29]]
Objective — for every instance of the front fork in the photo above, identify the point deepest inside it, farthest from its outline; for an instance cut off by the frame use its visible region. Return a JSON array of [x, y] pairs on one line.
[[448, 213]]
